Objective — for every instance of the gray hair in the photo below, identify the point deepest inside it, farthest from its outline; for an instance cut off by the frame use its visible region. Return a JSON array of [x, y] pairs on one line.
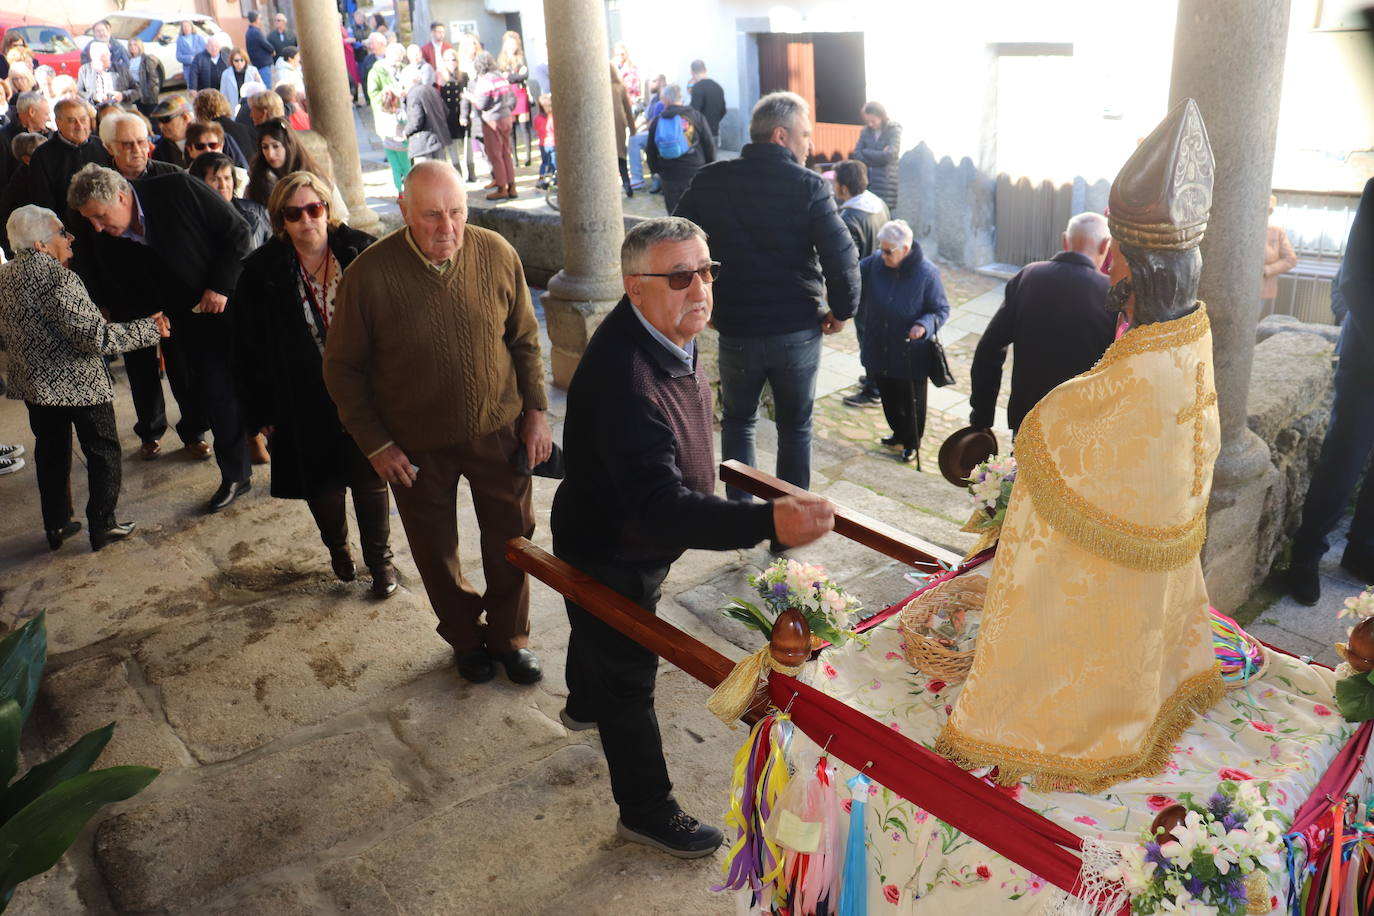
[[31, 224], [62, 105], [896, 231], [652, 232], [112, 122], [26, 100], [1089, 226], [776, 109], [95, 182], [671, 93], [98, 48], [24, 144]]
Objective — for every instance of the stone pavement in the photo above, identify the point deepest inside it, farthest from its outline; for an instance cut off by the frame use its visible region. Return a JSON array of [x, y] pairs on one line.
[[319, 752], [1314, 630]]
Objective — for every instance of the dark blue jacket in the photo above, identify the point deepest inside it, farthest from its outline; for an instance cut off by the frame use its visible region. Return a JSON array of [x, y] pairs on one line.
[[894, 300], [260, 53], [1356, 344], [783, 249], [205, 71]]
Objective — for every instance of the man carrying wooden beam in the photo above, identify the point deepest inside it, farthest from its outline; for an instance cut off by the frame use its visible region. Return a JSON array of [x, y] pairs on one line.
[[638, 492]]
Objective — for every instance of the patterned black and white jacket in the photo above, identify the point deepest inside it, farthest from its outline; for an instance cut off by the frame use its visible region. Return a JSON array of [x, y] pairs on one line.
[[56, 336]]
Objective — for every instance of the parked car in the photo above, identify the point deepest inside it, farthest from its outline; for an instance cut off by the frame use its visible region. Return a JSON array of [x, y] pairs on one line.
[[158, 32], [51, 44]]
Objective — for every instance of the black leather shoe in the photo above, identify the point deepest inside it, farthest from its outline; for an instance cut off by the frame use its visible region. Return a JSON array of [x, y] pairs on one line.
[[1360, 567], [58, 535], [889, 440], [908, 455], [119, 532], [342, 562], [681, 835], [227, 493], [1304, 584], [522, 666], [475, 666], [384, 581]]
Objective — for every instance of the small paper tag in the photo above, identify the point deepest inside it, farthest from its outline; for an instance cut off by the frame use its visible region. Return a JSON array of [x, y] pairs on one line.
[[795, 833]]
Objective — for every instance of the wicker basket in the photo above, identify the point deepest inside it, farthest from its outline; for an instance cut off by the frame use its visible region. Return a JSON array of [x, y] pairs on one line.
[[926, 654]]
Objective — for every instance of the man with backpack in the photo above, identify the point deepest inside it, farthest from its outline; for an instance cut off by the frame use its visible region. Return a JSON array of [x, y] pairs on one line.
[[679, 144]]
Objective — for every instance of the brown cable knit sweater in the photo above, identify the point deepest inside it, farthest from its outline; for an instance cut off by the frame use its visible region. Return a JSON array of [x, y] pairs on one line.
[[428, 359]]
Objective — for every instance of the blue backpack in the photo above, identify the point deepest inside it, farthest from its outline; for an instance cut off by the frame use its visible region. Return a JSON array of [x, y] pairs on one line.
[[673, 136]]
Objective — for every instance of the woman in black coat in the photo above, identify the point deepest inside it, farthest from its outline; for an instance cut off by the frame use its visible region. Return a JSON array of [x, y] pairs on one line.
[[904, 305], [282, 309], [880, 148]]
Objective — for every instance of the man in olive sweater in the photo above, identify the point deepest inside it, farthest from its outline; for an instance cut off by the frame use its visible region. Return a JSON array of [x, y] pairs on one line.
[[433, 360], [638, 492]]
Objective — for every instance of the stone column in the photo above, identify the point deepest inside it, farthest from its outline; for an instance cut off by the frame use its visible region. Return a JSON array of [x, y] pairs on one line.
[[593, 224], [331, 107], [1228, 55]]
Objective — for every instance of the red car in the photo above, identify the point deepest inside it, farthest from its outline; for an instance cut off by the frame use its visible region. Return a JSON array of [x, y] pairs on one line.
[[51, 44]]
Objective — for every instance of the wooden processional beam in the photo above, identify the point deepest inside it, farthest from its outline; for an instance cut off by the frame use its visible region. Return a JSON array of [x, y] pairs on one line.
[[856, 526]]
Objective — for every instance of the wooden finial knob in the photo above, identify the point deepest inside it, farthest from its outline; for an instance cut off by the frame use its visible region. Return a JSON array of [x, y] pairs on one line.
[[1360, 653], [790, 644]]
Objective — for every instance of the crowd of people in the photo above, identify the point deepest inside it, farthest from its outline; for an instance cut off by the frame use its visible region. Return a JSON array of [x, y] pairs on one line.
[[347, 363]]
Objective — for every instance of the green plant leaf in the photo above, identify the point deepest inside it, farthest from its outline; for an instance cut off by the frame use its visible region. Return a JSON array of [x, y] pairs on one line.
[[73, 761], [11, 724], [1355, 698], [22, 656], [749, 615], [34, 839]]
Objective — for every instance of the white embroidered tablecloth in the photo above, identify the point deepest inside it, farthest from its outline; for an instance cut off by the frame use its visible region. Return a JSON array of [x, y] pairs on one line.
[[1283, 729]]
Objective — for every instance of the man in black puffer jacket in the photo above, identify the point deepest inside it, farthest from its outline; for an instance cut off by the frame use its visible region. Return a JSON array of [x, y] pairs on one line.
[[784, 254]]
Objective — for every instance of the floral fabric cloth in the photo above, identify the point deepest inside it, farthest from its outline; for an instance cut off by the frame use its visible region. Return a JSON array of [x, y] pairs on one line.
[[1283, 728]]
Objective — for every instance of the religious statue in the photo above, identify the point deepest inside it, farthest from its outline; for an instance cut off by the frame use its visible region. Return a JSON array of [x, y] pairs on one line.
[[1095, 652]]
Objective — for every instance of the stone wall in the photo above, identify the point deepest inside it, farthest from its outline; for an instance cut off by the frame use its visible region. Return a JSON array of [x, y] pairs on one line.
[[951, 208], [1289, 406]]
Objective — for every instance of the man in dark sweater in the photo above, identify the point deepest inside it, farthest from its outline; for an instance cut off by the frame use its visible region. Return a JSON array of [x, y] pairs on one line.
[[55, 162], [638, 492], [261, 54], [677, 166], [707, 98], [176, 229], [785, 251], [1055, 315]]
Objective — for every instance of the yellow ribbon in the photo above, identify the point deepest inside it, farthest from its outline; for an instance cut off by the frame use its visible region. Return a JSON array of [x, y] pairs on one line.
[[976, 524], [734, 694]]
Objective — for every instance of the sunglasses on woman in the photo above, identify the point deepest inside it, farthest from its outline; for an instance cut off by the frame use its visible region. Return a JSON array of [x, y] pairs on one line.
[[204, 146], [312, 210], [681, 279]]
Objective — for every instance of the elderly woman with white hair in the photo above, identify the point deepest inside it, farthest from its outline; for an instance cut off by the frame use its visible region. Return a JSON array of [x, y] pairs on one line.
[[102, 81], [56, 337], [904, 304]]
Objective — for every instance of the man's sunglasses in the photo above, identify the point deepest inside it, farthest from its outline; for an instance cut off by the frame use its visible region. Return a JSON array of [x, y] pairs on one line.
[[202, 147], [166, 119], [681, 279], [312, 210]]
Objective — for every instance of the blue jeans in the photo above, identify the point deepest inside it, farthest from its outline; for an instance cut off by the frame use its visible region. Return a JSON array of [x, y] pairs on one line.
[[635, 151], [1345, 458], [548, 161], [788, 362]]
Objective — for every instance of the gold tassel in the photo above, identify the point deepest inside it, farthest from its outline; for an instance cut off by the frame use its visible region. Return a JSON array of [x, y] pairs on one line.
[[734, 694], [1257, 892], [989, 536]]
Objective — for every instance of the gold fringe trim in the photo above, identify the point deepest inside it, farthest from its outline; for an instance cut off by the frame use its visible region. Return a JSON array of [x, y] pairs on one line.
[[1056, 773], [1147, 548], [1162, 335]]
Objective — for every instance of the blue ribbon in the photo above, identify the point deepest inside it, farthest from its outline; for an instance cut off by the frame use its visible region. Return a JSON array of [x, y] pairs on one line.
[[854, 882]]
